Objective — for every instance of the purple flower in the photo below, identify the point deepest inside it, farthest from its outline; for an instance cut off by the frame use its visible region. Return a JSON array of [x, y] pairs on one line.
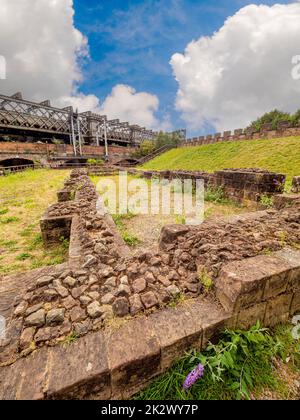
[[193, 377]]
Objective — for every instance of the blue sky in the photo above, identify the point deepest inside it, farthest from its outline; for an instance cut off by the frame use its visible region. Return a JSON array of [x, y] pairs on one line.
[[131, 42]]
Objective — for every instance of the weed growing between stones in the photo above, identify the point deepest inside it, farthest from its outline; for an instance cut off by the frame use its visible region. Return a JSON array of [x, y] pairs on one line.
[[205, 280], [241, 366], [267, 201]]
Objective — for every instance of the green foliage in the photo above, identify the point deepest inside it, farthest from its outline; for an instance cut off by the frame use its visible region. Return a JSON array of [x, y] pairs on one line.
[[65, 243], [146, 147], [24, 256], [3, 211], [180, 220], [215, 195], [8, 220], [239, 366], [95, 162], [205, 280], [70, 339], [266, 201], [130, 239], [273, 117], [161, 139]]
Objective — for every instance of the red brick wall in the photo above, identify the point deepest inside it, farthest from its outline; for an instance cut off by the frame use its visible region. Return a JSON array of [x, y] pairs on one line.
[[45, 149]]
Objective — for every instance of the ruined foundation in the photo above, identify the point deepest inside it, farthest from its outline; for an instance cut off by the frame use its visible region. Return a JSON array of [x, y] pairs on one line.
[[115, 305]]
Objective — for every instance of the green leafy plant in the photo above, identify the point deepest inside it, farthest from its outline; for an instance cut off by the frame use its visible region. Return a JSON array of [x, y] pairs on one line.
[[65, 243], [70, 339], [266, 201], [239, 366], [130, 239], [205, 280], [95, 162], [3, 211], [215, 195]]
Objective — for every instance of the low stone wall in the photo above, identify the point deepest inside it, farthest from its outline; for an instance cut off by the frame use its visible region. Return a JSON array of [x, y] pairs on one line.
[[284, 130], [115, 304], [238, 184], [296, 184]]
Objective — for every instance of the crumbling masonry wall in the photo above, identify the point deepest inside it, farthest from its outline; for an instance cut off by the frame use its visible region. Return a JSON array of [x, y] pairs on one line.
[[240, 185], [253, 261]]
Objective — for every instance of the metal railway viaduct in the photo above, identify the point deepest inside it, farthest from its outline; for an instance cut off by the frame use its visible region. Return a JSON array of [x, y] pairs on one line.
[[31, 131]]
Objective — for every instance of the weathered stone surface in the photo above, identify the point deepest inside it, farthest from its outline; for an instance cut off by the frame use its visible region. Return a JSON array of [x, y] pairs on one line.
[[121, 307], [78, 291], [69, 302], [123, 291], [85, 300], [176, 334], [134, 352], [44, 281], [82, 328], [149, 300], [124, 280], [37, 319], [77, 372], [139, 285], [278, 310], [107, 299], [170, 233], [249, 316], [26, 338], [136, 305], [173, 291], [77, 314], [70, 281], [249, 281], [62, 291], [90, 261], [21, 309], [55, 316], [295, 306], [94, 310]]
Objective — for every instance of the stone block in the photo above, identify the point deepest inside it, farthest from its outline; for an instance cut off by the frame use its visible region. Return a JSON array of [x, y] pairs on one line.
[[278, 310], [249, 316], [80, 370], [134, 357]]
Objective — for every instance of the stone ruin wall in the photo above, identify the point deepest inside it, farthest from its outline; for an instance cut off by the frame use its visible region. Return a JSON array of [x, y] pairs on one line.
[[284, 130], [253, 261], [240, 185]]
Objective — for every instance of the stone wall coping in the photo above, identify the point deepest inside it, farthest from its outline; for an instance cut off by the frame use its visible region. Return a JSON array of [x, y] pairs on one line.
[[114, 363]]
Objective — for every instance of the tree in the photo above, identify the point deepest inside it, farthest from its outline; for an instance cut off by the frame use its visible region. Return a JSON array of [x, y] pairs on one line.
[[273, 118]]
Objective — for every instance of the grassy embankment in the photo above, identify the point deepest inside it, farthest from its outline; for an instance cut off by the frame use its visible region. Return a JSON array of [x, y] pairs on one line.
[[278, 155], [23, 199]]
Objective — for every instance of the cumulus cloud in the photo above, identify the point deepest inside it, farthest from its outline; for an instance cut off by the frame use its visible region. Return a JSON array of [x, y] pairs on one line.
[[42, 49], [43, 52], [126, 104], [242, 71]]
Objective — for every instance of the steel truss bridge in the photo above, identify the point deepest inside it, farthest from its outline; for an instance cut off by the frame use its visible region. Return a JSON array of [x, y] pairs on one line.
[[41, 121]]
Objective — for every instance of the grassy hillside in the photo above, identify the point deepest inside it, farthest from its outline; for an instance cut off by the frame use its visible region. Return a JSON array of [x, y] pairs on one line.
[[279, 155]]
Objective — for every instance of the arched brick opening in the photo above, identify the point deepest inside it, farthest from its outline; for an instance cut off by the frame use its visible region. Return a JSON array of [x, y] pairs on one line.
[[16, 162]]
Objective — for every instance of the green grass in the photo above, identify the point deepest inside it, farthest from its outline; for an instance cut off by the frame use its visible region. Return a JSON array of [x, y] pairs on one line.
[[24, 197], [278, 155], [241, 366]]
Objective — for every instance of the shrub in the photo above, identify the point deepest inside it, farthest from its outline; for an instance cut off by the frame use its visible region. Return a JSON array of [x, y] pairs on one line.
[[95, 162]]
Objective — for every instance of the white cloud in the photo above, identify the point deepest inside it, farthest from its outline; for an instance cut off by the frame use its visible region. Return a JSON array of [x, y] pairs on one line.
[[126, 104], [43, 49], [242, 71]]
